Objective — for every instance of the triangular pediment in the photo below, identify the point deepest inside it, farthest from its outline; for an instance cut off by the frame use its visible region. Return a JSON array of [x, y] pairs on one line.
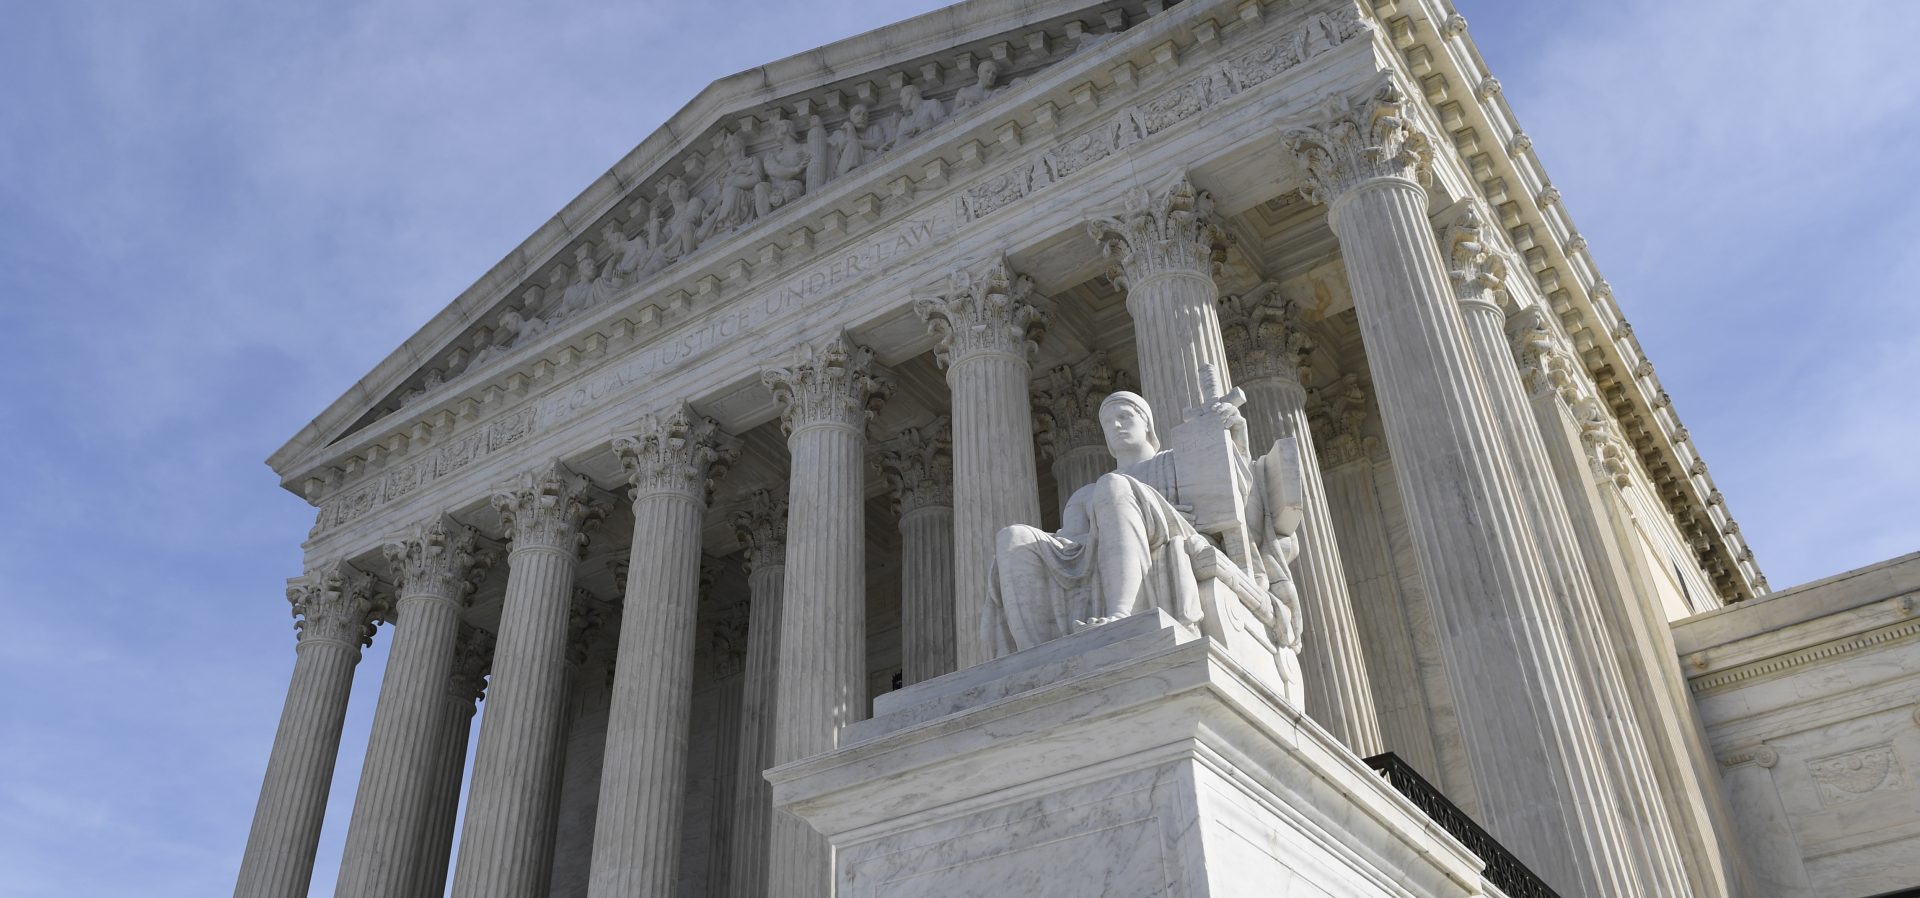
[[740, 157]]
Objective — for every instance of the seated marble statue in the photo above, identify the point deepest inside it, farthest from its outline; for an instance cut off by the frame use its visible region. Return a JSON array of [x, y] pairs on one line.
[[1133, 541]]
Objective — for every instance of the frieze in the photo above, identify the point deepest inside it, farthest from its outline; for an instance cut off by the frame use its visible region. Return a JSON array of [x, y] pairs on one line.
[[1213, 85]]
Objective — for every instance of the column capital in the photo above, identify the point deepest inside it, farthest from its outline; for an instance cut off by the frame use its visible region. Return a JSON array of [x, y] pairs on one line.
[[1544, 358], [586, 618], [680, 452], [1607, 451], [472, 659], [1362, 141], [438, 557], [1264, 335], [834, 384], [1341, 410], [1066, 407], [761, 527], [918, 465], [1477, 268], [1166, 231], [727, 636], [550, 507], [989, 309], [335, 603]]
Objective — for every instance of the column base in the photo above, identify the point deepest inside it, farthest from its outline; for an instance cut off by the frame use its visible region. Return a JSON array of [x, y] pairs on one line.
[[1137, 758]]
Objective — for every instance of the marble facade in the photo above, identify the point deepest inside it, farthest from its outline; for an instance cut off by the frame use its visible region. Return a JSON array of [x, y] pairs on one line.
[[715, 461]]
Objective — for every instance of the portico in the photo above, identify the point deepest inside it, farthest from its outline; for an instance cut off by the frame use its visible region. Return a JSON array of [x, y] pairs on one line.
[[829, 344]]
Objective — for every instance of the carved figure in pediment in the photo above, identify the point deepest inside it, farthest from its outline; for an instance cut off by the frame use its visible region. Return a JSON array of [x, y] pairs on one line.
[[588, 289], [918, 114], [634, 257], [860, 140], [985, 74], [819, 154], [744, 191], [787, 164], [683, 231]]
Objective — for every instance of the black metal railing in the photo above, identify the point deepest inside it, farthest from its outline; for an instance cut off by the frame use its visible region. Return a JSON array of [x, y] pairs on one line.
[[1504, 870]]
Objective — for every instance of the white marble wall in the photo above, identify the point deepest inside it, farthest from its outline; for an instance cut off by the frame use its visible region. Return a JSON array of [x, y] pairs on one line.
[[1808, 698]]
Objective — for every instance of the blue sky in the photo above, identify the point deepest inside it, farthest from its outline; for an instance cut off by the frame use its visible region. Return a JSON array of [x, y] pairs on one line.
[[216, 215]]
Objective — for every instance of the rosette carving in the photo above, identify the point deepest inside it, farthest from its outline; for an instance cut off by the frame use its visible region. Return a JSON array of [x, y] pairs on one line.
[[761, 526], [918, 465], [835, 384], [1264, 335], [680, 452], [992, 310], [1361, 141], [1160, 232], [335, 603], [551, 507], [438, 557]]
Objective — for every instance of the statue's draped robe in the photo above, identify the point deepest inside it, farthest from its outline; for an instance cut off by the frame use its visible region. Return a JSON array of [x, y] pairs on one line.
[[1122, 524]]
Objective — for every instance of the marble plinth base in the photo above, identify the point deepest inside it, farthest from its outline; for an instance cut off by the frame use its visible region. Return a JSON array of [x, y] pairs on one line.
[[1133, 759]]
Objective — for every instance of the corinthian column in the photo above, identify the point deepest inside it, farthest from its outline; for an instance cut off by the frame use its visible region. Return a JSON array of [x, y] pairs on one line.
[[1265, 341], [762, 529], [1591, 463], [1478, 272], [434, 569], [1164, 245], [988, 324], [337, 615], [670, 462], [1066, 416], [505, 845], [465, 686], [918, 465], [825, 399], [1530, 745]]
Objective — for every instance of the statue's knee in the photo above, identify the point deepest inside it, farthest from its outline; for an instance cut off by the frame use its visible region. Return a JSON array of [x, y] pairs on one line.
[[1014, 536]]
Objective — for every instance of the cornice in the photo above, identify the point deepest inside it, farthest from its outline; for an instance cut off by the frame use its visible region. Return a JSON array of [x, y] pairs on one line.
[[1443, 61]]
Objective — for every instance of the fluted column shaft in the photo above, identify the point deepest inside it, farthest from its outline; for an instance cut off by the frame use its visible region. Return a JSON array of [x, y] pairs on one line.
[[336, 606], [988, 322], [763, 528], [1476, 274], [505, 844], [464, 687], [1339, 692], [1078, 467], [1532, 750], [1163, 245], [1590, 476], [396, 787], [636, 831], [926, 593], [1066, 412], [821, 683]]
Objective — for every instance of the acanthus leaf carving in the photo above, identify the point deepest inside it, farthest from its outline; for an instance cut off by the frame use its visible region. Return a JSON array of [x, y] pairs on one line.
[[1341, 412], [681, 452], [1066, 409], [761, 527], [835, 384], [991, 310], [1160, 232], [336, 603], [1476, 266], [1264, 335], [918, 466], [438, 557], [1360, 142], [551, 507], [472, 660]]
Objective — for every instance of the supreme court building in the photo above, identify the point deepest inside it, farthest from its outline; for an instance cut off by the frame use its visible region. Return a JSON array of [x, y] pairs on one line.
[[706, 479]]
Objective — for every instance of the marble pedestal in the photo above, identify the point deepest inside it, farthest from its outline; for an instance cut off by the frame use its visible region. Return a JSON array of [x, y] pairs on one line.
[[1133, 759]]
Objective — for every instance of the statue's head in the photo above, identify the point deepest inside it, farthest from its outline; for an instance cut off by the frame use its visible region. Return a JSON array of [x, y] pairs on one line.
[[987, 72], [1128, 422]]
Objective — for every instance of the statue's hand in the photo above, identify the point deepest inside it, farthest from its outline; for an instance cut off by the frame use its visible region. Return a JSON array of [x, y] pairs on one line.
[[1225, 415]]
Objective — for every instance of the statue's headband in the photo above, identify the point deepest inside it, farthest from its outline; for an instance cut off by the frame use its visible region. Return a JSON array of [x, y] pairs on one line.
[[1134, 400]]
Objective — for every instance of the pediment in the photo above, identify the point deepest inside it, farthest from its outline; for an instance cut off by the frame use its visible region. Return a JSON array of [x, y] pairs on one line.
[[735, 163]]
